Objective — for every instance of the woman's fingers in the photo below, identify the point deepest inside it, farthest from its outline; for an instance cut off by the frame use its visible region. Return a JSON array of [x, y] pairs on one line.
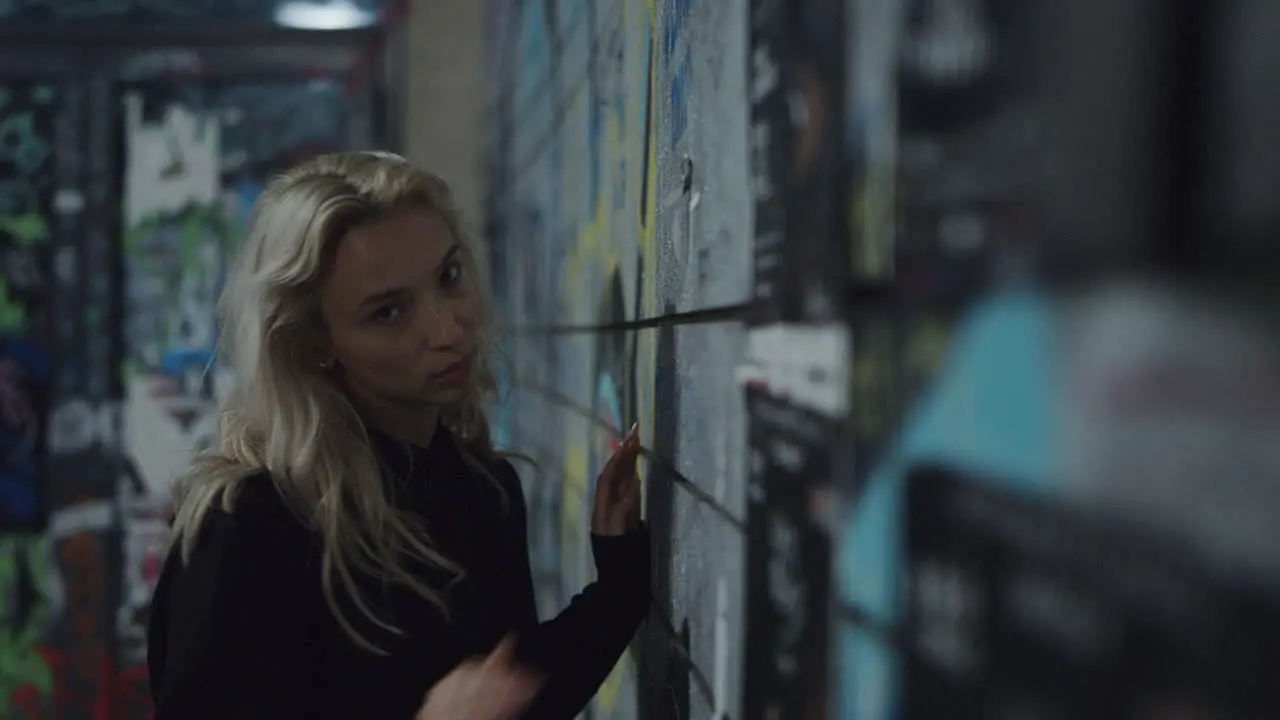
[[622, 464], [502, 688], [501, 655]]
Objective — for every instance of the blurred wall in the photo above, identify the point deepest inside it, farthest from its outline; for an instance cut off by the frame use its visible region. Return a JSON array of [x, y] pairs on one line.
[[746, 226], [443, 128]]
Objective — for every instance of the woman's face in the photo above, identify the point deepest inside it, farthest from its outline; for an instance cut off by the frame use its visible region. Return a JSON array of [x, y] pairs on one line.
[[402, 312]]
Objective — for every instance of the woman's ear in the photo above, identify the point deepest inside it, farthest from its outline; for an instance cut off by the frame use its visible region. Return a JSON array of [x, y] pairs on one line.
[[319, 348]]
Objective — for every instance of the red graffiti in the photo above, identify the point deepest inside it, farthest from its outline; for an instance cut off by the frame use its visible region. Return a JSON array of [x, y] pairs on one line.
[[124, 694], [28, 701]]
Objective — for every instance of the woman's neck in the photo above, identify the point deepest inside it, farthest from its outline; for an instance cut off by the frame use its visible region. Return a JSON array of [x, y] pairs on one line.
[[415, 424]]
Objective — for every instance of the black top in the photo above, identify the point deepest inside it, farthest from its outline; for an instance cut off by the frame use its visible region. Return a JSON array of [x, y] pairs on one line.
[[242, 631]]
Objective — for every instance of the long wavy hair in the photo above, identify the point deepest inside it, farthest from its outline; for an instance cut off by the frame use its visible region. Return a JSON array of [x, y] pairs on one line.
[[284, 416]]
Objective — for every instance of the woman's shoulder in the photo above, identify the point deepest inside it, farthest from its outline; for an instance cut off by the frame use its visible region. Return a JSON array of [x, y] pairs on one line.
[[250, 568], [256, 526]]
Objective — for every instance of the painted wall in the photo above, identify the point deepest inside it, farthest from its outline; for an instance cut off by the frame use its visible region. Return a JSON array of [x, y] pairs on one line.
[[619, 196], [196, 157], [122, 195], [747, 225]]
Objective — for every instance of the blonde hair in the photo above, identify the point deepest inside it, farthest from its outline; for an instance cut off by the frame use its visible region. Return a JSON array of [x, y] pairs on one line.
[[285, 417]]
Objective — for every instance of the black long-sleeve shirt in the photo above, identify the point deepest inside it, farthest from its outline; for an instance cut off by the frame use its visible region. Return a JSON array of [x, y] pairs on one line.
[[242, 630]]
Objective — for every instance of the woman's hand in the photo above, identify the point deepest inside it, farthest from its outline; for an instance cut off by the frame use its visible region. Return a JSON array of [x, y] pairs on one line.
[[617, 502], [493, 688]]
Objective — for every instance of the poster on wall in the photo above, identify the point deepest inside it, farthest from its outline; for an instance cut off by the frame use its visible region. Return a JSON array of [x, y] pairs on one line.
[[1020, 605], [28, 115], [197, 153], [795, 373], [770, 140], [941, 140], [789, 561]]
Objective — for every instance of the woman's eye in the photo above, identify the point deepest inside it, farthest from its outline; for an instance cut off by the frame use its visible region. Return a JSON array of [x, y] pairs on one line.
[[386, 314], [451, 274]]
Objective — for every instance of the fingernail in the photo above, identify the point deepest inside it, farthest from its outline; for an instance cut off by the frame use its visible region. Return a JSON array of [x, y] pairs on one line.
[[635, 429]]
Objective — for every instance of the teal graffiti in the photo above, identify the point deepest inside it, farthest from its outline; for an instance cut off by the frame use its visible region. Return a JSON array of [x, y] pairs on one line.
[[21, 143], [25, 612]]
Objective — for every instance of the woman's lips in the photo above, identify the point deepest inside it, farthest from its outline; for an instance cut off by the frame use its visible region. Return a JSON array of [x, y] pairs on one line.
[[456, 372]]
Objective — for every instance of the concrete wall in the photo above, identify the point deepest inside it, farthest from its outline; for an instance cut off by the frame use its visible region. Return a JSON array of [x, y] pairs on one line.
[[619, 200], [443, 128]]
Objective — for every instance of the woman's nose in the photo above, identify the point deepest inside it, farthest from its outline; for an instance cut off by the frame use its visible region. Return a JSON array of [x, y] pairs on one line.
[[443, 329]]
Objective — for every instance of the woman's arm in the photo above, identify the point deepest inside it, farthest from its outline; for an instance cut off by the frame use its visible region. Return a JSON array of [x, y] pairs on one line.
[[579, 647], [232, 630]]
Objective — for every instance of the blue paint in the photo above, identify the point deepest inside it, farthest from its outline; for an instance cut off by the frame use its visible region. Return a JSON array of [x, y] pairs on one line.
[[501, 410], [246, 191], [595, 144], [678, 91], [992, 413], [533, 73], [19, 463]]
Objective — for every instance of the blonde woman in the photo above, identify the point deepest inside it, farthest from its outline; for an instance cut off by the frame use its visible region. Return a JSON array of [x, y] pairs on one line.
[[352, 546]]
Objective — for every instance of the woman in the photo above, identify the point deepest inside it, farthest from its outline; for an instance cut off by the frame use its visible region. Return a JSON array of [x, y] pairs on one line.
[[352, 546]]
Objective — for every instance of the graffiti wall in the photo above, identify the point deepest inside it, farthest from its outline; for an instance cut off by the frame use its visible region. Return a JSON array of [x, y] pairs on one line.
[[196, 155], [622, 255], [28, 113], [748, 227], [119, 201]]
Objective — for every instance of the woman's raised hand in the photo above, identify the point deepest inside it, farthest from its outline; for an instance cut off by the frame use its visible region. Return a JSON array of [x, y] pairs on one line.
[[489, 688], [617, 501]]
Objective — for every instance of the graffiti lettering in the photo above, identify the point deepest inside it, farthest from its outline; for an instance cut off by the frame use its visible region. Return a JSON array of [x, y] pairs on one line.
[[79, 425]]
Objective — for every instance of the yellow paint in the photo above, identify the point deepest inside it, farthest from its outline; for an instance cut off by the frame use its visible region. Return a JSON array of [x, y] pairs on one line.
[[574, 497], [611, 238], [647, 353]]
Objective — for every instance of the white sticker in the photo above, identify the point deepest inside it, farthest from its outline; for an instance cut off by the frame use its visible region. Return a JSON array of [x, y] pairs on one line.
[[68, 201], [806, 364]]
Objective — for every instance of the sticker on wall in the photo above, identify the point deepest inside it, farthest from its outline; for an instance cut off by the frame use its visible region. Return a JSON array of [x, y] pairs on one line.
[[805, 364]]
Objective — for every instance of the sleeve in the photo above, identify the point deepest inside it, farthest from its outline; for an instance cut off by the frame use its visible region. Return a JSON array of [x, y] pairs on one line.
[[578, 648], [232, 628]]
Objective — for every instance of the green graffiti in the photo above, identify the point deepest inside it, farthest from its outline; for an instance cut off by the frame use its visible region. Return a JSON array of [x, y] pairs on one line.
[[13, 316], [28, 228], [185, 231], [24, 615]]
